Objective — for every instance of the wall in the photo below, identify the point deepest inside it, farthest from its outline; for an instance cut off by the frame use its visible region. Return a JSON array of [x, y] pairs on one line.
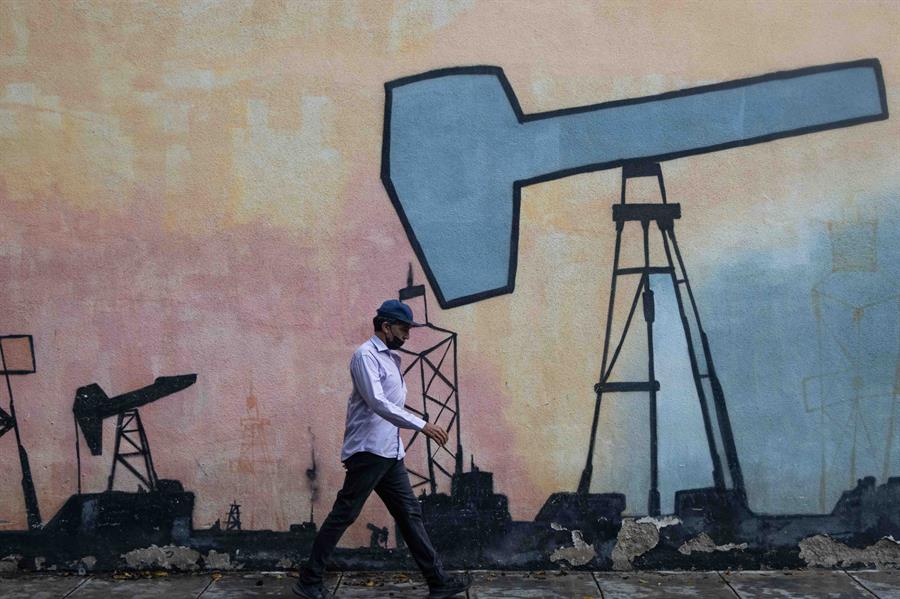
[[196, 188]]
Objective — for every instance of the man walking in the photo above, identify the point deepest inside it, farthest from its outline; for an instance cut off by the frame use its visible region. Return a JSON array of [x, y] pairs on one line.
[[373, 457]]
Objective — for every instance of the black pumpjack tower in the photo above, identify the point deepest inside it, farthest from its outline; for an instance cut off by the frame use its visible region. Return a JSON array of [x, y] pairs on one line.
[[433, 364], [234, 517], [706, 382], [8, 421], [92, 406]]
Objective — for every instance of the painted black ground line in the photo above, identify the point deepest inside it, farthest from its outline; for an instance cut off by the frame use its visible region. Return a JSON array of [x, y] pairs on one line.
[[597, 582], [208, 584], [78, 586], [857, 581], [728, 584]]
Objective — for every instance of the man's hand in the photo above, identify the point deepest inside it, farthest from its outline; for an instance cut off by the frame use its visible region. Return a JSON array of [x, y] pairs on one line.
[[435, 433]]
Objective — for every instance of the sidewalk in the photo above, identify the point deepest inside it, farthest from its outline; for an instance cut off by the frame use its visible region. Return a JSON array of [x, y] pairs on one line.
[[399, 585]]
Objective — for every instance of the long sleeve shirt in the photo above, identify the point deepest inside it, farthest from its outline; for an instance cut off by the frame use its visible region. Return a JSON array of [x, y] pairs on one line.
[[375, 411]]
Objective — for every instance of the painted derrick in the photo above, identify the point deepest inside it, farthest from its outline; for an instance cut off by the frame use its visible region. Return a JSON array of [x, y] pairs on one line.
[[711, 527], [200, 189]]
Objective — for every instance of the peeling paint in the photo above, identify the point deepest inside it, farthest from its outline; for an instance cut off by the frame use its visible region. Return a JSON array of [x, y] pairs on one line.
[[580, 554], [823, 551], [168, 557], [635, 538], [557, 526], [217, 561], [703, 543], [660, 523], [10, 563]]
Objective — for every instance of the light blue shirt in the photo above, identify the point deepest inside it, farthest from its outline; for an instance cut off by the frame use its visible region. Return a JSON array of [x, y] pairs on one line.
[[375, 411]]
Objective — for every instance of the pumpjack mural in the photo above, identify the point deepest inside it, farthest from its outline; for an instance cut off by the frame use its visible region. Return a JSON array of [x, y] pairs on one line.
[[457, 151]]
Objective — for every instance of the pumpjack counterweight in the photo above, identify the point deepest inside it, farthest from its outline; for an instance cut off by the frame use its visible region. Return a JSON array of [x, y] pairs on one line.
[[706, 383]]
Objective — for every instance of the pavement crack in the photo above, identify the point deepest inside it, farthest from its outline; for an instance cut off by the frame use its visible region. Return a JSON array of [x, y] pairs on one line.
[[78, 586], [338, 584], [857, 581], [208, 584], [597, 582], [728, 584]]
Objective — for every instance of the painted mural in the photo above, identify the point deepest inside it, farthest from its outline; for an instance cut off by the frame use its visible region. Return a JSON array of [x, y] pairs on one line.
[[654, 245]]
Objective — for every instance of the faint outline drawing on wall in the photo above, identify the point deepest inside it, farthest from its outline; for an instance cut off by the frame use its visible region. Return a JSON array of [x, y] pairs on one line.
[[255, 466], [858, 353]]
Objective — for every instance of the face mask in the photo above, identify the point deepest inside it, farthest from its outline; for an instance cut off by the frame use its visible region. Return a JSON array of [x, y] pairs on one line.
[[394, 342]]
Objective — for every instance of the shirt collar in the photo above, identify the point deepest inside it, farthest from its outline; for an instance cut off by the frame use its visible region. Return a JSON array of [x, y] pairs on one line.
[[378, 343]]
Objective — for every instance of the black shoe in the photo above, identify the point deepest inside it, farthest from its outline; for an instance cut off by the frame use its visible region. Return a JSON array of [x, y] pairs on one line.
[[310, 591], [450, 587]]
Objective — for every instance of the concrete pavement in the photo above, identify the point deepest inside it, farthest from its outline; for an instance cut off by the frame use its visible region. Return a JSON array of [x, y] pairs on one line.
[[799, 584]]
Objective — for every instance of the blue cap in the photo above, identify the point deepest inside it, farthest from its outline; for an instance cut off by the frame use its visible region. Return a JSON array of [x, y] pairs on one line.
[[397, 310]]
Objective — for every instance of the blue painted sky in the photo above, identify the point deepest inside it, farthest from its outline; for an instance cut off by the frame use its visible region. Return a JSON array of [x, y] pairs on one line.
[[766, 341]]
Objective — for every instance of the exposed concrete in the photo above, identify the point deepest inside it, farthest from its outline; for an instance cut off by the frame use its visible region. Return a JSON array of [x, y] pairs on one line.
[[217, 561], [703, 543], [824, 552], [9, 564], [638, 536], [285, 563], [579, 554], [660, 523], [634, 539], [168, 557]]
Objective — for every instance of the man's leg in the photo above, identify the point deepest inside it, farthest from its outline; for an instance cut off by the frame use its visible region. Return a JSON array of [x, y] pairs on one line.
[[364, 471], [397, 494]]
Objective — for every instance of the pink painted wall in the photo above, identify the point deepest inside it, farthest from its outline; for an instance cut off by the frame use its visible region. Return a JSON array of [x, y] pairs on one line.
[[194, 187]]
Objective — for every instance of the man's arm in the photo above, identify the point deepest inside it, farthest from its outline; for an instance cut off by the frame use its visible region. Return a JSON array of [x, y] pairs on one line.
[[364, 370]]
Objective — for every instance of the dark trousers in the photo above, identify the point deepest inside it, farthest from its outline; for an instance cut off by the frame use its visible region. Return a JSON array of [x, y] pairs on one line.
[[367, 472]]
